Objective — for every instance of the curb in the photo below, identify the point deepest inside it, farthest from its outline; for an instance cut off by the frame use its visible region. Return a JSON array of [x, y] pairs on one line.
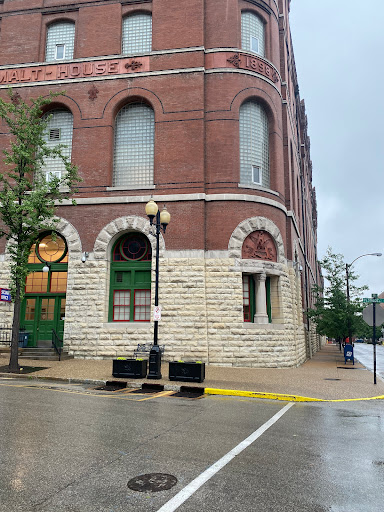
[[177, 388], [278, 396]]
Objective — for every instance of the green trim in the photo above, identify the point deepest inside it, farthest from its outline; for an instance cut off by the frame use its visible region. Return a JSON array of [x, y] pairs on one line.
[[268, 294], [252, 297], [132, 267]]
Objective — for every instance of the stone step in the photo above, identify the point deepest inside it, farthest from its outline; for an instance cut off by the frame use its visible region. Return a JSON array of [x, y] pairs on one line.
[[42, 353]]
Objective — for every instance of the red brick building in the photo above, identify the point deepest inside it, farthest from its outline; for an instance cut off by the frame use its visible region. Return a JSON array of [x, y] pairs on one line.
[[197, 105]]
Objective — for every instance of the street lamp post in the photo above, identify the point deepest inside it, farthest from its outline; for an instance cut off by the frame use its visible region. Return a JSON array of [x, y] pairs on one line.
[[160, 220], [347, 268]]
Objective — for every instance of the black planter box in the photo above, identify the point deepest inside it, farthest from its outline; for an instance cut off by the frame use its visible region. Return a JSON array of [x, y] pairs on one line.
[[187, 372], [132, 368]]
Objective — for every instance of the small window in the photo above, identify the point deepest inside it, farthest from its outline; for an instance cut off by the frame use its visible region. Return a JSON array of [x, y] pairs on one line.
[[50, 175], [142, 305], [256, 174], [121, 305], [60, 51], [54, 134], [254, 44], [247, 298]]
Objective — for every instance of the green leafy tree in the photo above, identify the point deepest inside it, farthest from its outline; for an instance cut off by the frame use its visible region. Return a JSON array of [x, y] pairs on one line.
[[332, 313], [28, 200]]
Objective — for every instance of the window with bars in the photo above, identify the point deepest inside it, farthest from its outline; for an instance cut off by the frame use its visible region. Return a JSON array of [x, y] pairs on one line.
[[130, 298], [137, 34], [134, 146], [254, 145], [60, 41], [252, 33], [59, 131]]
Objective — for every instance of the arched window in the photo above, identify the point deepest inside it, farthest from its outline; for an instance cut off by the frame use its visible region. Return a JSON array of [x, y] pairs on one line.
[[59, 131], [252, 33], [130, 296], [60, 41], [254, 145], [137, 34], [134, 146]]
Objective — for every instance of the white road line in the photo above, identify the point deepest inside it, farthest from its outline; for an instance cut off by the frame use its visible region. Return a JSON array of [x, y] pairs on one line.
[[192, 487]]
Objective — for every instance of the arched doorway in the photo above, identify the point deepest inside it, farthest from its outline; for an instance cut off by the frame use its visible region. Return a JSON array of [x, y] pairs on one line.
[[43, 307]]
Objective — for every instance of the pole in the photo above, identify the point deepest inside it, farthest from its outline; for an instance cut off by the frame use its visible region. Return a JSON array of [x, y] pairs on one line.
[[374, 342], [348, 302], [156, 329], [154, 371]]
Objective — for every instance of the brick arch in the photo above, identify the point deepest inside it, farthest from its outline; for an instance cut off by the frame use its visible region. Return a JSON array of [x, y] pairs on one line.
[[132, 94], [68, 231], [247, 227], [264, 98], [118, 227]]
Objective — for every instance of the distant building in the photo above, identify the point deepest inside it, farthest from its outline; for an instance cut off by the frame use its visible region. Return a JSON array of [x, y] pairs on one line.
[[197, 106]]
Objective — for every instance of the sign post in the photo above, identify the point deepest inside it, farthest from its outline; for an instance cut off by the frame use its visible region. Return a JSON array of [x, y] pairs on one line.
[[374, 342], [369, 315]]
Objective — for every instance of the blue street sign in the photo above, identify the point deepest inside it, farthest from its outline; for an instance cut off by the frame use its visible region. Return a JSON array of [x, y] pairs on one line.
[[5, 295]]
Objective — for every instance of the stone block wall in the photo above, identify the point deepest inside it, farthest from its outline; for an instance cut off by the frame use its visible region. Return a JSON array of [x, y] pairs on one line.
[[202, 314]]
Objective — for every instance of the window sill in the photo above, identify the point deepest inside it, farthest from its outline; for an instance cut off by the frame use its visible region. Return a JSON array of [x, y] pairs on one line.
[[258, 187], [126, 325], [133, 187], [275, 326]]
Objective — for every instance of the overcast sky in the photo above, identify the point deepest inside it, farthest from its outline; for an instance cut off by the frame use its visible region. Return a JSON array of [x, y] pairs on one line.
[[338, 48]]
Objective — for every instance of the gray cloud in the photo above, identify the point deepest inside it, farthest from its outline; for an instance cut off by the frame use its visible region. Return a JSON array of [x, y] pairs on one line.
[[338, 51]]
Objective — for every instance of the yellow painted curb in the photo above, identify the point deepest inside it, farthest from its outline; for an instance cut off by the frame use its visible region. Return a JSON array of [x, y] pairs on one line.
[[278, 396]]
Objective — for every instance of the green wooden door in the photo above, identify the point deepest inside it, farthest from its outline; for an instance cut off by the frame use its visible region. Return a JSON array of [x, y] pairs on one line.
[[46, 320], [39, 315]]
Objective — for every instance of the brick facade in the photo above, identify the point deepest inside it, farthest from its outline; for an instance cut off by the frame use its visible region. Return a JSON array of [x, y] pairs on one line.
[[196, 78]]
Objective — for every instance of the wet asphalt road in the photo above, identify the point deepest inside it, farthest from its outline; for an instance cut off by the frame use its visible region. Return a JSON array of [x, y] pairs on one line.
[[66, 448], [364, 353]]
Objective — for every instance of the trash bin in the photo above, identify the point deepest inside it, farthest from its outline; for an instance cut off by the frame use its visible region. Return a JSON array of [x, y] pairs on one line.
[[348, 353], [23, 339]]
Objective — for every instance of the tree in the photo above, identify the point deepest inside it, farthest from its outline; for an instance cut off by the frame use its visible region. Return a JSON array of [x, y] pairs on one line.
[[332, 313], [28, 198]]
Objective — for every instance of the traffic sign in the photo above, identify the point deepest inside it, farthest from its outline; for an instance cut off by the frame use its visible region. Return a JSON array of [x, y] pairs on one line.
[[368, 315], [373, 300], [157, 313]]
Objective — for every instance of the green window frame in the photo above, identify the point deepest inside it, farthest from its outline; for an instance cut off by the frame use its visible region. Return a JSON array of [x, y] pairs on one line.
[[130, 274]]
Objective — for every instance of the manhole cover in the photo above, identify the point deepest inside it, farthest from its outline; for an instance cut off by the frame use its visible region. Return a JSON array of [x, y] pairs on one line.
[[152, 482]]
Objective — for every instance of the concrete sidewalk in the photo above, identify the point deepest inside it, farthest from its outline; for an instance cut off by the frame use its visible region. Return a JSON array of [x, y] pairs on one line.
[[324, 377]]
